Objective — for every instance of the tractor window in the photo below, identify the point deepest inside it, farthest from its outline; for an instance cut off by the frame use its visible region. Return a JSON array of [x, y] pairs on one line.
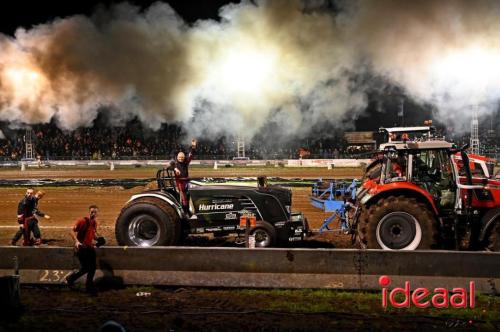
[[475, 167], [424, 165], [477, 170], [374, 171], [395, 169], [432, 170]]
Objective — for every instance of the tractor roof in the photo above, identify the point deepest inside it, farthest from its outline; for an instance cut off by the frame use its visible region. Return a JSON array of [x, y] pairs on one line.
[[420, 129], [416, 145]]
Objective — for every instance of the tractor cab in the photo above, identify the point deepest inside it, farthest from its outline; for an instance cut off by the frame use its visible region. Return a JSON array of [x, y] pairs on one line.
[[422, 193], [422, 166]]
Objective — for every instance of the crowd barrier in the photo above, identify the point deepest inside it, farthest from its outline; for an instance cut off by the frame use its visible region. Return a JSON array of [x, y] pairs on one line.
[[262, 268]]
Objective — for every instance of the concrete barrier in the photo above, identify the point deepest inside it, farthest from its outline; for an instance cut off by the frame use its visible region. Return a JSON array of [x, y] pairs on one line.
[[275, 268]]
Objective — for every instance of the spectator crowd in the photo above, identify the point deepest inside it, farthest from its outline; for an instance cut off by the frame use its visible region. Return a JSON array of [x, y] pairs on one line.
[[133, 141]]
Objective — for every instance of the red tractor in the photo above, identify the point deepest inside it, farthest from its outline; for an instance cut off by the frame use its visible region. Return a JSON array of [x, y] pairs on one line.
[[421, 194]]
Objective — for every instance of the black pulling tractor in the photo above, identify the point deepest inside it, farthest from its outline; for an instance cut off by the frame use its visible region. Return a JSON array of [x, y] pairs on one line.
[[156, 217]]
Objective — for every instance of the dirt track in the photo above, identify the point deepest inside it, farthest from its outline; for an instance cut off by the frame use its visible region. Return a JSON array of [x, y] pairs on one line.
[[66, 204], [194, 172]]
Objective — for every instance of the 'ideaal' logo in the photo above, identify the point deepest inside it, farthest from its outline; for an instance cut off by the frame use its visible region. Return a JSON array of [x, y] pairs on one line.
[[440, 296]]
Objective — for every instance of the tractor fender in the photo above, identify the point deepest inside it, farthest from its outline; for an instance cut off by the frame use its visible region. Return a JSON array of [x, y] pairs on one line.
[[164, 197], [403, 189], [487, 220]]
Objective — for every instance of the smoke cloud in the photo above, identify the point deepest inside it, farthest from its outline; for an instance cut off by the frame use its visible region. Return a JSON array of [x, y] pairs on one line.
[[446, 53], [263, 62]]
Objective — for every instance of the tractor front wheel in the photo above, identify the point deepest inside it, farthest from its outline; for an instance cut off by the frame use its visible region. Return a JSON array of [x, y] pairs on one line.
[[265, 235], [398, 223]]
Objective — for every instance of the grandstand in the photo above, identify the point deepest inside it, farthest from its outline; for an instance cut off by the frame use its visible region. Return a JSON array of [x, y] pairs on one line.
[[135, 142]]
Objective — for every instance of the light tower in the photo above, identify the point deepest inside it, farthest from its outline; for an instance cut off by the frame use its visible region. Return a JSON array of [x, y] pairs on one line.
[[28, 140], [240, 143], [474, 132]]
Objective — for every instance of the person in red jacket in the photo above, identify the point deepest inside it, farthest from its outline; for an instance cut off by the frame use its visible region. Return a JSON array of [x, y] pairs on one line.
[[84, 233], [181, 171]]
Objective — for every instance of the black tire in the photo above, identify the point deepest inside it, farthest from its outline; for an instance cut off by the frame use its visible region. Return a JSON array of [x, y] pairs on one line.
[[146, 222], [265, 234], [492, 236], [398, 223]]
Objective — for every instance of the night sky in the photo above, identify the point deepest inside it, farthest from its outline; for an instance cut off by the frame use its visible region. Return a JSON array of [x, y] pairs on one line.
[[22, 13]]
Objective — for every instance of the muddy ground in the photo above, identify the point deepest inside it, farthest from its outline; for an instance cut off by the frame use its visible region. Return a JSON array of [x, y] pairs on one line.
[[187, 309], [194, 171], [66, 204]]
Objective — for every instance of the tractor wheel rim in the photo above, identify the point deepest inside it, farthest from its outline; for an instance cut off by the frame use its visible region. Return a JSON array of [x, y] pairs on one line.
[[399, 231], [262, 238], [144, 230]]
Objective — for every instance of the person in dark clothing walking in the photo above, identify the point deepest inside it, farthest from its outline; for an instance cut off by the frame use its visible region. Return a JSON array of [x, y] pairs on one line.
[[84, 234], [27, 211], [181, 171]]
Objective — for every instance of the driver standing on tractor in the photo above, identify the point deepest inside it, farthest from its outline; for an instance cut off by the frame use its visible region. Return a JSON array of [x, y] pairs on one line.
[[181, 172]]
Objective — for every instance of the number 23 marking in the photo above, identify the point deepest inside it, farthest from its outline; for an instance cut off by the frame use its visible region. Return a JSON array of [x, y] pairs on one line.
[[53, 275]]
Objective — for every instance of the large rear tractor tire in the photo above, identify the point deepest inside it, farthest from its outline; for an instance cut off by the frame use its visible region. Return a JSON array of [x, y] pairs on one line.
[[148, 222], [398, 223], [492, 236]]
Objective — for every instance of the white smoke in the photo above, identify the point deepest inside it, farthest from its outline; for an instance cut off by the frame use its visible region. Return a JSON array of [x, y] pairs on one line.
[[263, 62], [442, 52]]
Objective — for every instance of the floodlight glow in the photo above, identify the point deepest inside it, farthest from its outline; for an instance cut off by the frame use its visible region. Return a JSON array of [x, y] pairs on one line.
[[245, 71], [473, 68], [25, 82]]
